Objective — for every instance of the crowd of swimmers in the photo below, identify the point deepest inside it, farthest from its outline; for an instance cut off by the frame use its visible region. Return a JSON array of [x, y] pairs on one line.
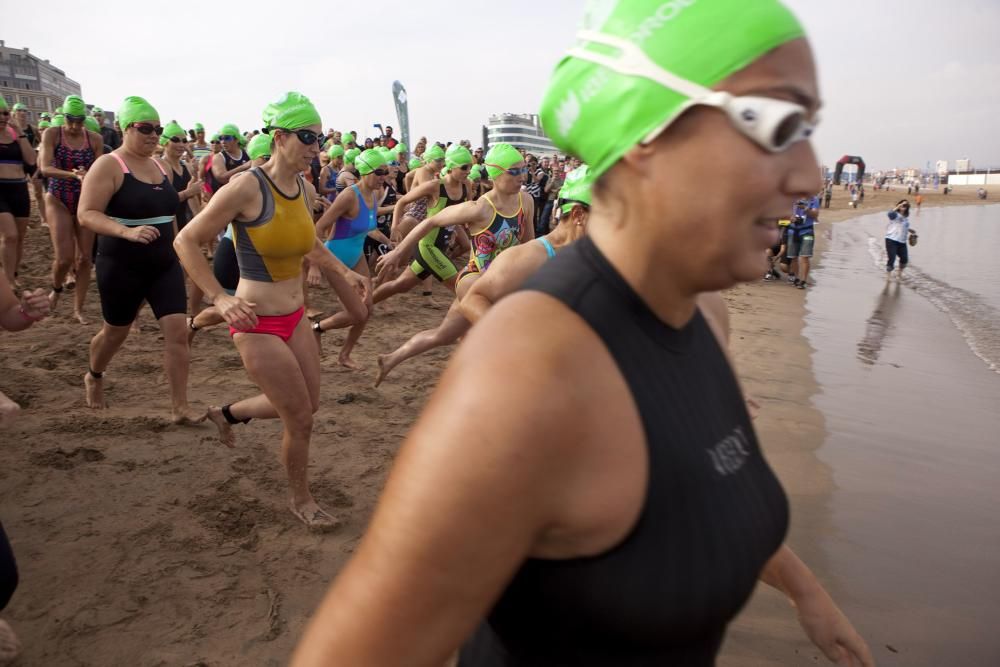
[[592, 495]]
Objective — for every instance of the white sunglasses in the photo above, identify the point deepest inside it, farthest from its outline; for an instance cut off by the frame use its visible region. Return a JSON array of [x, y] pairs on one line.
[[772, 124]]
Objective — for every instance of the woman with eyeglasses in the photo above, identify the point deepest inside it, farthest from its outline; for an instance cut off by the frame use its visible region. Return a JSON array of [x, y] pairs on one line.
[[346, 224], [430, 258], [594, 494], [17, 163], [64, 159], [128, 199], [270, 211], [491, 232], [230, 160]]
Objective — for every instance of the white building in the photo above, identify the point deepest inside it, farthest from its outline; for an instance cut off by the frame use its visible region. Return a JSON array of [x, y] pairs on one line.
[[942, 167], [519, 130], [963, 165]]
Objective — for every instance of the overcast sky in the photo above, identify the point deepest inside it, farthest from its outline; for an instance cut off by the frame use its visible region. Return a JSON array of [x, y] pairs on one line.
[[904, 81]]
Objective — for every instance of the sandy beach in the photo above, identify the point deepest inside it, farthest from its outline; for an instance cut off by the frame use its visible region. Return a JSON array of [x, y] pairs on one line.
[[144, 543]]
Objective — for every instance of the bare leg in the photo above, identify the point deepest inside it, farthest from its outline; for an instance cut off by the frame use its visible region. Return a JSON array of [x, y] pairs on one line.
[[449, 331], [195, 297], [103, 347], [9, 410], [355, 332], [8, 245], [176, 363], [36, 184], [22, 234], [406, 281], [63, 244], [10, 647], [289, 376], [85, 246]]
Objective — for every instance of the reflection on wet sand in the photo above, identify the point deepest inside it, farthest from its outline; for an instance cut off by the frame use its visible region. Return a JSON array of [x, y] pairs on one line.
[[880, 323]]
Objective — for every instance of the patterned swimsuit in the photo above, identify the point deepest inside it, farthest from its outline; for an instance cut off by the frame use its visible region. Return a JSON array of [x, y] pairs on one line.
[[67, 190], [504, 232]]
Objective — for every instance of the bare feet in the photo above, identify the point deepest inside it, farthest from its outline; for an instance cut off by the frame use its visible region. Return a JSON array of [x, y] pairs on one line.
[[10, 647], [383, 369], [70, 281], [186, 416], [346, 361], [316, 519], [226, 435], [80, 317], [95, 391]]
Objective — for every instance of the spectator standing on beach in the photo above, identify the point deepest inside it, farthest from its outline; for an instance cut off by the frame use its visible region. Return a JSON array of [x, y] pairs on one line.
[[896, 235], [801, 237], [828, 194]]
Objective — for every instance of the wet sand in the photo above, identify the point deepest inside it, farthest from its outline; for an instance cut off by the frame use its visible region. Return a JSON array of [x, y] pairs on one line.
[[143, 543]]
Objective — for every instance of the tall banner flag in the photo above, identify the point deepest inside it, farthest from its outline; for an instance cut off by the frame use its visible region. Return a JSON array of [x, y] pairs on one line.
[[399, 96]]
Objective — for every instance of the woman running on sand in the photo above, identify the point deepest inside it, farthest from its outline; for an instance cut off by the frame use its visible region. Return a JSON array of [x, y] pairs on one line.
[[64, 158], [17, 163], [129, 201], [271, 214], [625, 515], [346, 224], [491, 230]]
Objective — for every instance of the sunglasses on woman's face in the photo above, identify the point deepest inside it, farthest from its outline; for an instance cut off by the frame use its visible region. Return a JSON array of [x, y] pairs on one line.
[[148, 128], [518, 171], [307, 137], [465, 167], [381, 172], [74, 119], [176, 140], [226, 137], [215, 143]]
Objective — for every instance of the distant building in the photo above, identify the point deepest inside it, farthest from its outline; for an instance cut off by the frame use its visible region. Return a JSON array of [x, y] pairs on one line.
[[963, 165], [32, 81], [519, 130], [941, 167]]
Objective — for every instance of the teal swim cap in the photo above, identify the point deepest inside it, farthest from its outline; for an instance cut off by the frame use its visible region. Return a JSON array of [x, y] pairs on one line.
[[230, 130], [91, 124], [134, 110], [351, 154], [335, 151], [456, 156], [435, 152], [291, 112], [259, 146], [500, 158], [369, 161], [73, 106], [415, 163], [576, 189], [347, 138], [600, 103]]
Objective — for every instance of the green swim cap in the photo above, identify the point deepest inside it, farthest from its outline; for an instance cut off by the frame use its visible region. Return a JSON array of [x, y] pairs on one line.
[[386, 153], [474, 174], [369, 161], [576, 189], [3, 104], [351, 154], [58, 110], [435, 152], [134, 110], [198, 127], [44, 115], [347, 138], [400, 147], [456, 156], [91, 124], [172, 129], [230, 130], [415, 163], [96, 110], [43, 124], [500, 158], [335, 152], [73, 106], [291, 112], [19, 107], [259, 146], [58, 121], [597, 113]]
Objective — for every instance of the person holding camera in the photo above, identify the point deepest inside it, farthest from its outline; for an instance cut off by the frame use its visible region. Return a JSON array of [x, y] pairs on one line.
[[896, 235]]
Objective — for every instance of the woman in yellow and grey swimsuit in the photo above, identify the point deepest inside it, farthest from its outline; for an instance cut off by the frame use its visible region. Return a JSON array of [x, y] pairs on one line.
[[492, 230], [272, 231]]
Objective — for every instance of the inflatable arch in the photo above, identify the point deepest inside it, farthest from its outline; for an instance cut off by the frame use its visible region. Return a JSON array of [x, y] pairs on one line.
[[849, 159]]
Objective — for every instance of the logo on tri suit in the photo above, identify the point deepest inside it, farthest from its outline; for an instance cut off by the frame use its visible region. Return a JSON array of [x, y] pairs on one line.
[[729, 454]]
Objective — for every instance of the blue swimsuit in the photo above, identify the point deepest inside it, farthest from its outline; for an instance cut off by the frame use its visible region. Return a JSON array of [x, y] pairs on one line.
[[348, 240]]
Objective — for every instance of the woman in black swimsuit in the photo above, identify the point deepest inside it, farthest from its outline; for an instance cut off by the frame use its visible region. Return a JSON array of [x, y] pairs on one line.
[[129, 201], [585, 486]]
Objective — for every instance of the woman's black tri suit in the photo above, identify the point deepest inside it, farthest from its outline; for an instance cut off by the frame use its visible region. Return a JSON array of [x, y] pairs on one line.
[[180, 182], [14, 198], [129, 273], [231, 163], [714, 512]]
